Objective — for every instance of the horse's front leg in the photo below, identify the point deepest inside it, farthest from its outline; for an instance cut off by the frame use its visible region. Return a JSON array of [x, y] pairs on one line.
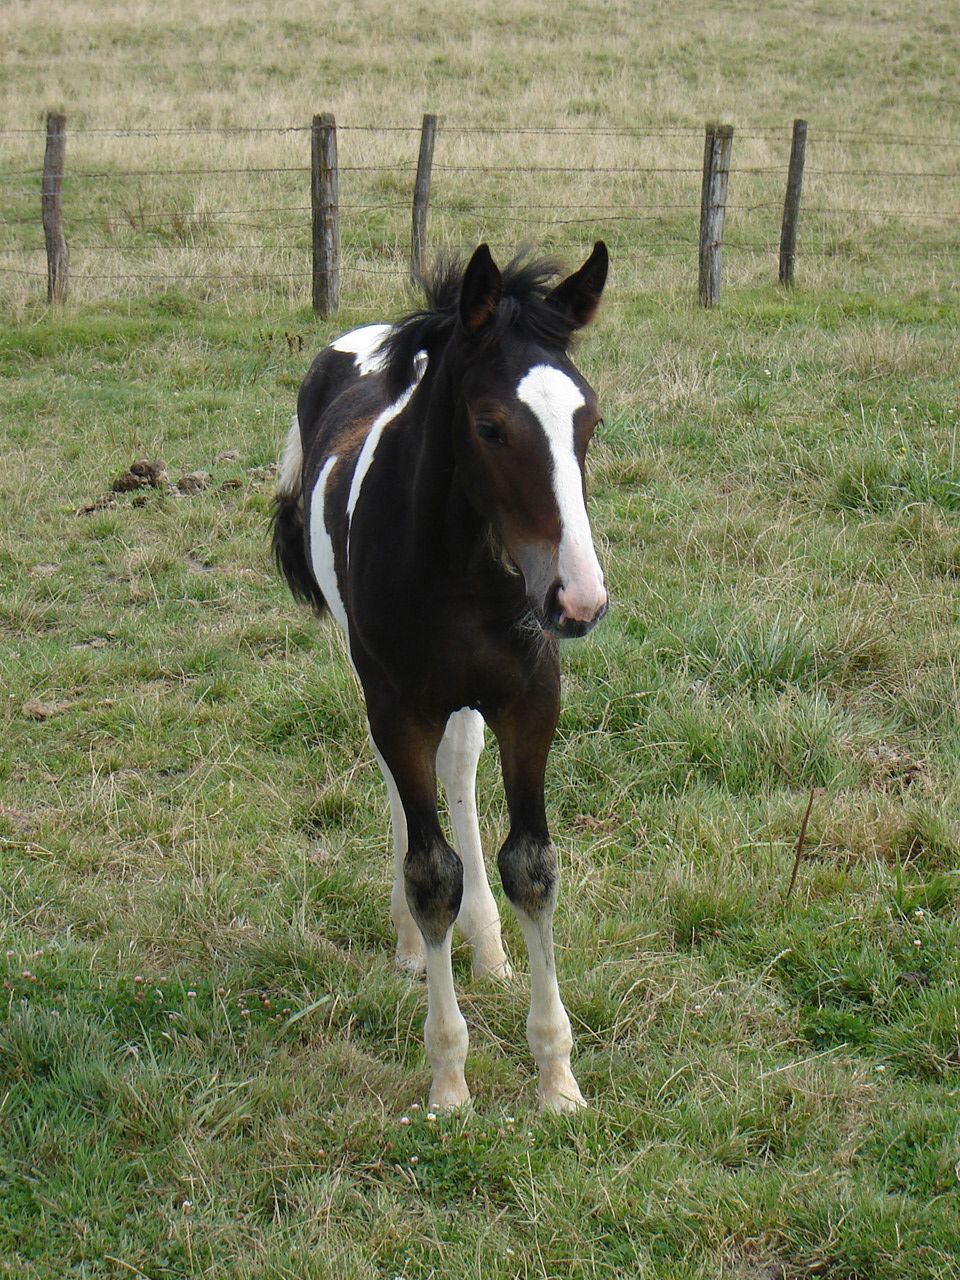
[[433, 882], [528, 869]]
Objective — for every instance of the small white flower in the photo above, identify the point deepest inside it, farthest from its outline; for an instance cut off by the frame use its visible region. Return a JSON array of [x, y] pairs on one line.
[[917, 942], [880, 1067], [919, 913], [431, 1115]]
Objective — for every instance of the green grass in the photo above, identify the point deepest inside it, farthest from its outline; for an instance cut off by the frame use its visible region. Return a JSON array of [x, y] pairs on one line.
[[209, 1066], [193, 842]]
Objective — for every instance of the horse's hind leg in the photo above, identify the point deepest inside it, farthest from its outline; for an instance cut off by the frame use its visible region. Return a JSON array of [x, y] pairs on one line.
[[479, 920], [409, 941]]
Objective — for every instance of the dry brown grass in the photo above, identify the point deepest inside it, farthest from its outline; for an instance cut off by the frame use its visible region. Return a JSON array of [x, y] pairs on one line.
[[606, 67]]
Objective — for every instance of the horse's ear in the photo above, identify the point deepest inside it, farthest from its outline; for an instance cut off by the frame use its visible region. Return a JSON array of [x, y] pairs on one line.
[[579, 295], [480, 291]]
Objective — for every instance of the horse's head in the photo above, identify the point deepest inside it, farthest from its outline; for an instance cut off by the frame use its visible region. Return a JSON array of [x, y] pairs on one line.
[[524, 420]]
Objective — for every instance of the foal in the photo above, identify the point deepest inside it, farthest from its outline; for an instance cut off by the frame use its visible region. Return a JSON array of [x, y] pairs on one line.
[[431, 496]]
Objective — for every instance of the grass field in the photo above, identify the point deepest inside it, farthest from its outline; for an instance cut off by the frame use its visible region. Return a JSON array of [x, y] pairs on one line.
[[208, 1064]]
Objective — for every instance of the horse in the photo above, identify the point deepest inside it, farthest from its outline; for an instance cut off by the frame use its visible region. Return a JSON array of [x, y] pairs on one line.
[[431, 498]]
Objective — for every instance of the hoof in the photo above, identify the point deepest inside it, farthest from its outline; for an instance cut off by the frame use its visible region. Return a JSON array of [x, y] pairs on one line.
[[559, 1092], [412, 962], [562, 1104], [487, 956], [450, 1097]]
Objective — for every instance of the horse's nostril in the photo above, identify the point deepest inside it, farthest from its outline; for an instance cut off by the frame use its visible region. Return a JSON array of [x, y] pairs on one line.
[[552, 608]]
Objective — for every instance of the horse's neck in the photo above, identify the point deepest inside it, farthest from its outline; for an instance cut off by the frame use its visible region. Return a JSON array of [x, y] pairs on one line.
[[445, 518]]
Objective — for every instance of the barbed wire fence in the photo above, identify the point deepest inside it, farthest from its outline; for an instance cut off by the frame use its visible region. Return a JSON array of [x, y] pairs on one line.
[[98, 211]]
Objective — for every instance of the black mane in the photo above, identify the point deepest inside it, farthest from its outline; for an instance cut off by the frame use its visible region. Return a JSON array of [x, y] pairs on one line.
[[523, 308]]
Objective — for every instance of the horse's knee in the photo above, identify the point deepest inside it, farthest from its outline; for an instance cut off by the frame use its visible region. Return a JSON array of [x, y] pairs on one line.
[[528, 870], [433, 879]]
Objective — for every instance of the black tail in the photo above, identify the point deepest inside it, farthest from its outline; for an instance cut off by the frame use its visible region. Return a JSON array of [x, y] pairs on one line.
[[290, 550]]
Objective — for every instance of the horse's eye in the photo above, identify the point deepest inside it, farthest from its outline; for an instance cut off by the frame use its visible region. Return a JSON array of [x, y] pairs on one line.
[[490, 433]]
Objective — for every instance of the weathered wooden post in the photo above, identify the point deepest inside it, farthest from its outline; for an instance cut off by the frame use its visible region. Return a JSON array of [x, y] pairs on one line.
[[791, 202], [421, 197], [58, 261], [713, 202], [325, 202]]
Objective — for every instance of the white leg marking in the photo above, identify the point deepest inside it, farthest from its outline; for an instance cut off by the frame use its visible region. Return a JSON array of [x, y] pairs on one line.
[[479, 920], [548, 1027], [445, 1032], [291, 461], [409, 938], [553, 397]]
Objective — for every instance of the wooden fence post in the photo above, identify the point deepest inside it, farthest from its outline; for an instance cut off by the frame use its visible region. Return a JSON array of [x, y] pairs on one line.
[[325, 202], [421, 197], [791, 202], [713, 202], [58, 262]]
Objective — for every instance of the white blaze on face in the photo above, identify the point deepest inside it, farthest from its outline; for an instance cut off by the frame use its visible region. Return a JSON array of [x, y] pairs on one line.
[[553, 397], [364, 345]]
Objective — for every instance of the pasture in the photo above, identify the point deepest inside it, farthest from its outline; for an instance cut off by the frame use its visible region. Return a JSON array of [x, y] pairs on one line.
[[209, 1065]]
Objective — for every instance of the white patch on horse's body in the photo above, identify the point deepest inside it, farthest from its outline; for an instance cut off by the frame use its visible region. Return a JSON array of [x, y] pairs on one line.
[[553, 397], [364, 345], [291, 462], [321, 549], [369, 448]]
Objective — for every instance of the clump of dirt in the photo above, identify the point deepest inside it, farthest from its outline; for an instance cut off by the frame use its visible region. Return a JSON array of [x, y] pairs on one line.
[[34, 709], [141, 475], [260, 474], [105, 501], [193, 482], [893, 768]]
